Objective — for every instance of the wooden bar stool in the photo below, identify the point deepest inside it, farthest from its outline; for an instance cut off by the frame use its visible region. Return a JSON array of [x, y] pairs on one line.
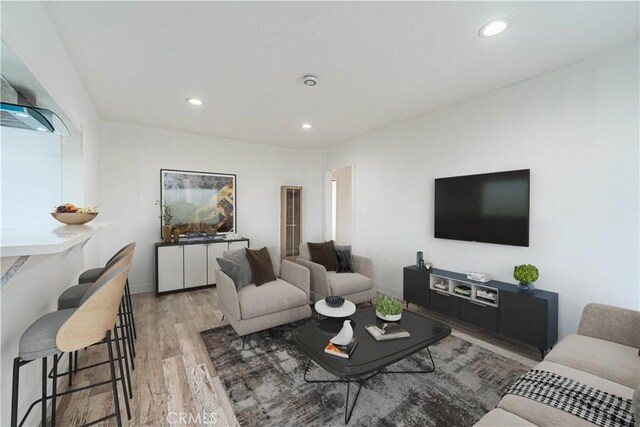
[[93, 274], [72, 297], [70, 330]]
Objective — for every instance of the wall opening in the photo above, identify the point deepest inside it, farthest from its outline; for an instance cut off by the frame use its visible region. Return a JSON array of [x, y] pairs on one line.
[[341, 201]]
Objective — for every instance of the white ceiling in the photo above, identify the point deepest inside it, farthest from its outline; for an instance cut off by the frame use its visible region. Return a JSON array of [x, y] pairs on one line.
[[378, 63]]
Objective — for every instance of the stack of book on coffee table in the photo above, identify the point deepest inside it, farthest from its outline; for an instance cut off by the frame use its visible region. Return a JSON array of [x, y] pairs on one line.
[[343, 351], [388, 331]]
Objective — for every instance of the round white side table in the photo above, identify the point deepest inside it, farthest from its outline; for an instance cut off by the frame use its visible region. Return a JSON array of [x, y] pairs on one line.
[[346, 309]]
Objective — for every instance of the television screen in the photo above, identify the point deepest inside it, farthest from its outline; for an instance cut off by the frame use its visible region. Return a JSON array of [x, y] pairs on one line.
[[489, 208]]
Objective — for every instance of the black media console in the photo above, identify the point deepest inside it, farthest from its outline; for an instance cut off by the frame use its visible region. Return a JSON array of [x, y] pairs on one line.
[[531, 318]]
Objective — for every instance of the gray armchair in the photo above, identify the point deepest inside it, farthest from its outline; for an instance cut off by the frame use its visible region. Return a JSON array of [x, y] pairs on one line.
[[255, 308], [356, 287]]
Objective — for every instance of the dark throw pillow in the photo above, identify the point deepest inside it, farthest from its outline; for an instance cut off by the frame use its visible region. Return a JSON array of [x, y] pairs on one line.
[[237, 267], [323, 254], [261, 266], [344, 260]]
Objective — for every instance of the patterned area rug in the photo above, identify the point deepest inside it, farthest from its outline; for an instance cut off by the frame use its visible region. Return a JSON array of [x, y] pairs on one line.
[[265, 386]]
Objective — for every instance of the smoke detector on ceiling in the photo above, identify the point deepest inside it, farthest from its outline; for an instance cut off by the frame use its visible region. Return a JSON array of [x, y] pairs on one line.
[[310, 80]]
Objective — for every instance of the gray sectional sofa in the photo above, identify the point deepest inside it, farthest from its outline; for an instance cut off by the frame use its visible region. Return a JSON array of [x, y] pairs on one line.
[[603, 354]]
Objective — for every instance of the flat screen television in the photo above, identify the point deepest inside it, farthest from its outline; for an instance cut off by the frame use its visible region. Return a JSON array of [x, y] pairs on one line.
[[489, 208]]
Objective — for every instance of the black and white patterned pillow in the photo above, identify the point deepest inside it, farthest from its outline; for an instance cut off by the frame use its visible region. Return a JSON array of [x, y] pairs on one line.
[[344, 260]]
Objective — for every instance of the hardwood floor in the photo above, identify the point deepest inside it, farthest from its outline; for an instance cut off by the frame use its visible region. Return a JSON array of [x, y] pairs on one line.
[[174, 376]]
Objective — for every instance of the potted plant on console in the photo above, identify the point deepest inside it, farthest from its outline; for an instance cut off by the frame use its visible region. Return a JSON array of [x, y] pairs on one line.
[[388, 308], [525, 274], [167, 216]]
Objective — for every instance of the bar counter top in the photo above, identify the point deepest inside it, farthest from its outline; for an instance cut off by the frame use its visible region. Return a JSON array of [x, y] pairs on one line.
[[45, 239]]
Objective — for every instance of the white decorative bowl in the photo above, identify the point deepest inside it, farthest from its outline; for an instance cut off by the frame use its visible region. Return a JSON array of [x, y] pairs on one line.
[[390, 317], [73, 218]]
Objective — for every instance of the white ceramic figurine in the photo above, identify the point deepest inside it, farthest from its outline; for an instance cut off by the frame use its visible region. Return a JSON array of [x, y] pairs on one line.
[[345, 334]]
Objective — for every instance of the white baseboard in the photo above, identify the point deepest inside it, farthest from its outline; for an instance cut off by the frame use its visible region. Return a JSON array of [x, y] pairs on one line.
[[388, 291]]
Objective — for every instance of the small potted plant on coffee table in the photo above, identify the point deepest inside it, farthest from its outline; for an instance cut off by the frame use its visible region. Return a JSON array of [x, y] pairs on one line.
[[388, 308], [525, 274]]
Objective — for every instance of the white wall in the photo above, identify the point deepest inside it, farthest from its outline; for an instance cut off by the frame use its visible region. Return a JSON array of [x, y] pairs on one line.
[[575, 128], [130, 162]]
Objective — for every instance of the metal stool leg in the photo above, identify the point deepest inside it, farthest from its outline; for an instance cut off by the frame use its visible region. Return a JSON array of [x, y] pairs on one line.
[[125, 322], [14, 392], [124, 351], [133, 320], [70, 368], [114, 385], [44, 392], [128, 314], [122, 373], [54, 390]]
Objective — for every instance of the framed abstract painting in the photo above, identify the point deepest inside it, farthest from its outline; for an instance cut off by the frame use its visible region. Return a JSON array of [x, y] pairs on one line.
[[200, 202]]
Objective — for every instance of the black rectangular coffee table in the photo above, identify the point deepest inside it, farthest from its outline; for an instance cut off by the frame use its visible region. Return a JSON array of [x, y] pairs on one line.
[[370, 357]]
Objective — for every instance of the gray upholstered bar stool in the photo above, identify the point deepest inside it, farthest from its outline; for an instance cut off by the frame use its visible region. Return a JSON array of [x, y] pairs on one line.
[[69, 330], [71, 298], [92, 275]]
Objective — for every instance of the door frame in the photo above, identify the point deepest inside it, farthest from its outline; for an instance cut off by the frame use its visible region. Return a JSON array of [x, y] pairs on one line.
[[328, 176]]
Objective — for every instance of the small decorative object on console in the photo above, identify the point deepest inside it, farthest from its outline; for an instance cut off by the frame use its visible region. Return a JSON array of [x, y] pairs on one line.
[[199, 235], [388, 308], [419, 260], [478, 277], [442, 286], [334, 301], [487, 295], [166, 215], [462, 290], [428, 266], [526, 274]]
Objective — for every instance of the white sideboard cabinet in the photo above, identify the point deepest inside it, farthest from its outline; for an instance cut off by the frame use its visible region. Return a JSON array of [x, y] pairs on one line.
[[190, 264]]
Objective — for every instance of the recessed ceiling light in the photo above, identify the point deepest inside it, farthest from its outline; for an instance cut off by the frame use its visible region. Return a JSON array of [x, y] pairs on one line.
[[494, 27], [195, 101], [306, 126], [22, 115], [42, 129]]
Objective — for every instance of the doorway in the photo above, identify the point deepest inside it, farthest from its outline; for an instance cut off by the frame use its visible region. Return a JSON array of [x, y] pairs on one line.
[[340, 205]]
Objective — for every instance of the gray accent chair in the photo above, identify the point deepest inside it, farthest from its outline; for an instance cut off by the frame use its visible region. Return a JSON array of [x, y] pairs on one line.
[[255, 308], [356, 287]]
